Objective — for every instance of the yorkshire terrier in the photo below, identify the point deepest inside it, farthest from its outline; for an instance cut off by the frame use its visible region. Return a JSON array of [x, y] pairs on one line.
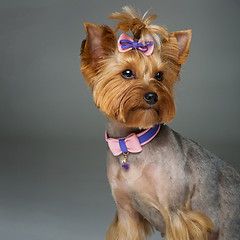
[[159, 180]]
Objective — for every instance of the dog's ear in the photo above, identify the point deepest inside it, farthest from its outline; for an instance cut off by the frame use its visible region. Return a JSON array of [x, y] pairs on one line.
[[92, 45], [183, 40], [100, 42]]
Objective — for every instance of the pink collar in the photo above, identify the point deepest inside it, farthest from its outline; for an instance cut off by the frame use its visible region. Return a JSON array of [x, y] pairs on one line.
[[132, 143]]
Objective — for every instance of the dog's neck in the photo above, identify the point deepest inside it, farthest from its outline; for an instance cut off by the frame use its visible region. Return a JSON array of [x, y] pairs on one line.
[[118, 130]]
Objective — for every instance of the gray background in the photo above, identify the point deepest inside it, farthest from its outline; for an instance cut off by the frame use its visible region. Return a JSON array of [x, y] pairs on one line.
[[53, 181]]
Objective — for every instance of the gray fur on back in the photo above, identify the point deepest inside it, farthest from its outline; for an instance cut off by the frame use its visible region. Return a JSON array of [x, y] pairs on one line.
[[214, 184]]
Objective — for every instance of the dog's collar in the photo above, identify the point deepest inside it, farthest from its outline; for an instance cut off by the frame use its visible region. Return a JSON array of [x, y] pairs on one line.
[[131, 144]]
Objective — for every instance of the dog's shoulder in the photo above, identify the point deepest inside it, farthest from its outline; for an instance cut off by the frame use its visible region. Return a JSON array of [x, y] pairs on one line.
[[191, 152]]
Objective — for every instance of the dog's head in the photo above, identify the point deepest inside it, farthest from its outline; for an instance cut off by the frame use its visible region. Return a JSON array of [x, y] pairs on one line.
[[128, 85]]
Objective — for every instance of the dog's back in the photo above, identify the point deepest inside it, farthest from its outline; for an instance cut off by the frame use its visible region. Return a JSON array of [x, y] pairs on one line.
[[215, 187]]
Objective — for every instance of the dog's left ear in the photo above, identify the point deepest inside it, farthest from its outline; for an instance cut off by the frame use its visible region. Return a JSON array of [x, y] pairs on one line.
[[183, 40]]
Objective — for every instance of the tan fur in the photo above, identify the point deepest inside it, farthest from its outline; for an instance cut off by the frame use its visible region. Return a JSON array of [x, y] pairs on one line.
[[130, 109], [188, 225], [115, 99], [128, 223], [132, 228], [183, 224], [129, 20]]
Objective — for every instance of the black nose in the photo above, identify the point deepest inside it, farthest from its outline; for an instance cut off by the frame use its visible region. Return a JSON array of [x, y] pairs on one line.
[[151, 98]]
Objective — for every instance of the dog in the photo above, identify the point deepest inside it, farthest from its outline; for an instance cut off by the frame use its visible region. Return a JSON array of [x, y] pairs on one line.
[[159, 179]]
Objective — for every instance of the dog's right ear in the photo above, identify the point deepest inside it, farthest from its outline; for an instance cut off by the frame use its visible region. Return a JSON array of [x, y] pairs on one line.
[[100, 42]]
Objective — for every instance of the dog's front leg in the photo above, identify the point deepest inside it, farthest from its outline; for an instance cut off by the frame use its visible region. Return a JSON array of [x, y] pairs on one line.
[[128, 223], [130, 226]]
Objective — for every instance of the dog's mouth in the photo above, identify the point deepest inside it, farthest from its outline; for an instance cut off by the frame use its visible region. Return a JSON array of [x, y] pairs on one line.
[[145, 109]]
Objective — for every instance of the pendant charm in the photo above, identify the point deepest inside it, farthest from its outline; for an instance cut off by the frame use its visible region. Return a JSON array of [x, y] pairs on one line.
[[125, 164]]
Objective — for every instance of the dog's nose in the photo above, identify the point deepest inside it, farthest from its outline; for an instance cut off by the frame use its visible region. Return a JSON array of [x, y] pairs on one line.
[[151, 98]]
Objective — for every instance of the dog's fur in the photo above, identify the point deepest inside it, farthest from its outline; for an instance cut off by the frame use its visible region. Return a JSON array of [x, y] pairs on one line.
[[173, 185]]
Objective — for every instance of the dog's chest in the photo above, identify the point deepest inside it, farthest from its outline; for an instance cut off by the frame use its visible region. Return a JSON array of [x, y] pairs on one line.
[[141, 176], [152, 173], [148, 181], [137, 188]]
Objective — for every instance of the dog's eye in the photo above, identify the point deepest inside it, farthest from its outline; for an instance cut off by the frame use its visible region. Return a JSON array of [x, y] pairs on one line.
[[128, 74], [159, 76]]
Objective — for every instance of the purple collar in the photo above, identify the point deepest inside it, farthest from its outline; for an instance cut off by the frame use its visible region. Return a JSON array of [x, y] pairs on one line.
[[132, 143]]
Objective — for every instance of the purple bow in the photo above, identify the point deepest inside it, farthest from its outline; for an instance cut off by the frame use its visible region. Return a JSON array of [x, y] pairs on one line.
[[126, 43]]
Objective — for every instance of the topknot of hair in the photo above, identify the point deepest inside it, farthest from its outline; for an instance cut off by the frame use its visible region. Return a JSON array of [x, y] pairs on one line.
[[130, 20]]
